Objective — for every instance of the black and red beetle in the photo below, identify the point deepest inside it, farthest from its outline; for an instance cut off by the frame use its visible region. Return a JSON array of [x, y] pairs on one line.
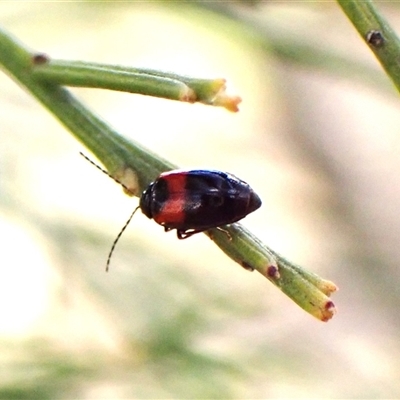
[[192, 201]]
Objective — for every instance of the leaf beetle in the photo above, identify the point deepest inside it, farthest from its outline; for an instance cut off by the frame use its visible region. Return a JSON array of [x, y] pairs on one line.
[[192, 201]]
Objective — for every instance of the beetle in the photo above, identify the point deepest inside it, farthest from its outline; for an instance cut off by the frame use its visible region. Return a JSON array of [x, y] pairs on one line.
[[193, 201]]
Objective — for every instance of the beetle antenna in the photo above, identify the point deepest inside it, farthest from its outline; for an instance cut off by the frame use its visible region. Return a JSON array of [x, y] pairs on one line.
[[118, 237], [129, 219], [105, 172]]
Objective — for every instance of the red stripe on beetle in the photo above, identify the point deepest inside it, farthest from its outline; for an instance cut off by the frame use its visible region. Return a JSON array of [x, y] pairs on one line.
[[173, 211]]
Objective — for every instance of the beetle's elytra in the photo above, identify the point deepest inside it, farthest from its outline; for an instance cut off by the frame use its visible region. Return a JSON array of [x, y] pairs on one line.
[[192, 201]]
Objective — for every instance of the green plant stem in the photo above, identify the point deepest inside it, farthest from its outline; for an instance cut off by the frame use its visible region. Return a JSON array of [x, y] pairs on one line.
[[114, 151], [134, 80], [84, 75], [307, 289], [120, 155], [367, 19]]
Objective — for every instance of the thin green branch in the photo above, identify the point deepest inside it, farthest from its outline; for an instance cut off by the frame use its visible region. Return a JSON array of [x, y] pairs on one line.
[[70, 73], [114, 151], [307, 289], [136, 167], [377, 33], [136, 80]]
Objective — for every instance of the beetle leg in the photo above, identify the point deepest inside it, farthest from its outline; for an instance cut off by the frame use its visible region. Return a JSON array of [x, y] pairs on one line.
[[182, 234], [229, 236]]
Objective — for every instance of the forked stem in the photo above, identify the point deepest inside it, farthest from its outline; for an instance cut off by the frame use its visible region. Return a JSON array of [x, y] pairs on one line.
[[123, 157]]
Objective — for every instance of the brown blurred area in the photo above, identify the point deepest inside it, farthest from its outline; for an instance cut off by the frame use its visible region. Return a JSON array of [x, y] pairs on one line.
[[177, 319]]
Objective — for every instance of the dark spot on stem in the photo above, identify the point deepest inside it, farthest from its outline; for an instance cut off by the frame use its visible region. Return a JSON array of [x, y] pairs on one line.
[[375, 38], [329, 305], [247, 266], [272, 272], [40, 58]]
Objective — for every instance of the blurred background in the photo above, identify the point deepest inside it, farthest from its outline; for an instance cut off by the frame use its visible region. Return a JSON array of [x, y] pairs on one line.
[[317, 136]]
